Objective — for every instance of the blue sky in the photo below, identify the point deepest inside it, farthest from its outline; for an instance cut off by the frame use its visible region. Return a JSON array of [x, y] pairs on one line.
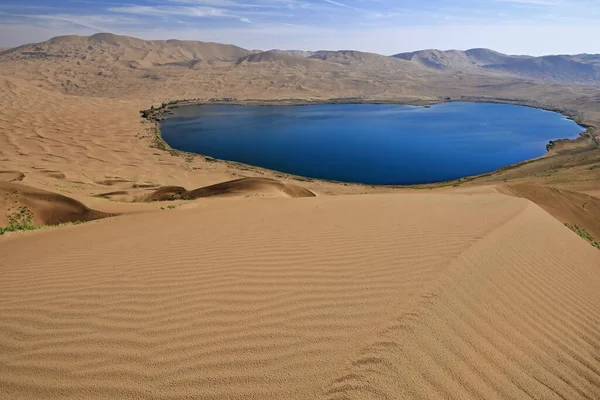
[[383, 26]]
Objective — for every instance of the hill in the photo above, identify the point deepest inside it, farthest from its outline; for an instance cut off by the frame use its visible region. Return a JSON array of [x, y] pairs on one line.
[[81, 64], [439, 60], [125, 50], [458, 60], [568, 69], [360, 59], [593, 59], [552, 69], [283, 59], [106, 65], [295, 53]]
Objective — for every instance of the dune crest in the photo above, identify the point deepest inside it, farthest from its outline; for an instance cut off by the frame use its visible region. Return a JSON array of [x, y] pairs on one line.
[[245, 187]]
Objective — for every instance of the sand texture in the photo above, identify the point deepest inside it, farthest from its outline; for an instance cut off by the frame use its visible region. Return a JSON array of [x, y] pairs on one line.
[[293, 299]]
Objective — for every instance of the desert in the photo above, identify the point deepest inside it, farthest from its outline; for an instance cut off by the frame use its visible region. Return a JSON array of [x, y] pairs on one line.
[[165, 274]]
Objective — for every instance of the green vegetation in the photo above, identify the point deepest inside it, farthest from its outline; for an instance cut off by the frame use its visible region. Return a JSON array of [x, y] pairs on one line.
[[154, 113], [584, 234], [22, 220]]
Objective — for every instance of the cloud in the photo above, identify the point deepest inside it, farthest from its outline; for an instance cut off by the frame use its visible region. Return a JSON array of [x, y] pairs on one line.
[[336, 3], [159, 11], [383, 26], [537, 2]]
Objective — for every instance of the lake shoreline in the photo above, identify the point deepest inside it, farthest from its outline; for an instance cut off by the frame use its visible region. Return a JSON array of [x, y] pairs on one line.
[[156, 115]]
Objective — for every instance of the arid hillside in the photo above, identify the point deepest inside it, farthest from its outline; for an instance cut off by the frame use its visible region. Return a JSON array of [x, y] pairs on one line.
[[106, 65], [580, 69]]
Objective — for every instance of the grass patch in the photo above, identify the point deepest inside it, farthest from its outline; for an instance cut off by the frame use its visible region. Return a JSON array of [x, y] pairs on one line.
[[584, 234], [19, 220], [36, 227], [22, 220]]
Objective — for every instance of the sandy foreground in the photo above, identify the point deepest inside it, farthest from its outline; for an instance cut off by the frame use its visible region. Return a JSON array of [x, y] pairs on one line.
[[262, 291], [378, 296]]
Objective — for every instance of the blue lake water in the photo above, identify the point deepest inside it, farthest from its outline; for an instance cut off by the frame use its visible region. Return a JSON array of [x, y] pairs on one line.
[[370, 143]]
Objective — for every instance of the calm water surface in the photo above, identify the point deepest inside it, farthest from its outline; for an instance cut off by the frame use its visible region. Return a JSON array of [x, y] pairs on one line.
[[370, 143]]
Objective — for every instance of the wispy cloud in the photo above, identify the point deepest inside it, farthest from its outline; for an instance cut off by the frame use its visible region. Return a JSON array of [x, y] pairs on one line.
[[537, 2], [313, 23], [337, 3], [158, 11]]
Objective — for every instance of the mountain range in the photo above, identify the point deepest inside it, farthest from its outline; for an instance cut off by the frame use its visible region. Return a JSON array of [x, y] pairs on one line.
[[578, 69], [112, 52]]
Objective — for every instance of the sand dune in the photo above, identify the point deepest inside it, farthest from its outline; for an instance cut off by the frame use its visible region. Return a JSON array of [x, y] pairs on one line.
[[565, 205], [126, 49], [363, 60], [48, 208], [248, 187], [378, 296], [243, 187], [283, 59], [11, 176], [88, 146]]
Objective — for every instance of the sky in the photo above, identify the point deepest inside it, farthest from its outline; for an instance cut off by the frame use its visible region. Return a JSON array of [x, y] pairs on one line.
[[535, 27]]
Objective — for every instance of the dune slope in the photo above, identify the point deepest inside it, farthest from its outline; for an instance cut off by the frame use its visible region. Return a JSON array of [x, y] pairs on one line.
[[565, 205], [379, 296], [250, 186], [48, 208]]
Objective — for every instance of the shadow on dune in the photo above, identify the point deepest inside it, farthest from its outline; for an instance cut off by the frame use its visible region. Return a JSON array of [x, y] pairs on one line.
[[48, 208], [238, 187], [11, 176], [565, 205]]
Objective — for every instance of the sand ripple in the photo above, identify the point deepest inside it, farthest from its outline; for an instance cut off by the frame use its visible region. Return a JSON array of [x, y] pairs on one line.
[[332, 297]]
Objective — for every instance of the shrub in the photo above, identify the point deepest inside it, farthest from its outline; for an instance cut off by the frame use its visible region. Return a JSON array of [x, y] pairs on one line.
[[23, 217], [584, 234], [20, 220]]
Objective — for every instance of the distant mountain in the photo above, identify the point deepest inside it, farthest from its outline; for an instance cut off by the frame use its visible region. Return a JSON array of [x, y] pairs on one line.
[[455, 59], [570, 69], [295, 53], [79, 63], [360, 59], [321, 59], [551, 68], [436, 59], [593, 59], [280, 58], [487, 57], [125, 50]]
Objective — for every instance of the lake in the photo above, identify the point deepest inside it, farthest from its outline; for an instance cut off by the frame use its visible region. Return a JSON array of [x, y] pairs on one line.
[[370, 143]]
